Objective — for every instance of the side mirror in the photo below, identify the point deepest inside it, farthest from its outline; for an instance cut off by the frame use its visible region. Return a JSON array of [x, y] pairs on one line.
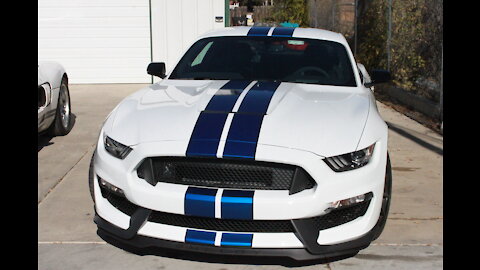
[[379, 76], [156, 69]]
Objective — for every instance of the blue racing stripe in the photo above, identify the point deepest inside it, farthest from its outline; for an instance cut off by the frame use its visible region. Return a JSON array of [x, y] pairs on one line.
[[200, 202], [243, 136], [208, 129], [237, 204], [258, 98], [258, 31], [237, 239], [225, 98], [200, 237], [245, 128], [283, 31], [206, 134]]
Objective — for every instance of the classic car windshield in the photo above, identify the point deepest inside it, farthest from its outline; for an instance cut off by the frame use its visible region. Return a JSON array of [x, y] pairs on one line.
[[283, 59]]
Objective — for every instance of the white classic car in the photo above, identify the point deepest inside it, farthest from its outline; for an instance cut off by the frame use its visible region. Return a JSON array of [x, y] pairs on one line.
[[54, 108], [262, 141]]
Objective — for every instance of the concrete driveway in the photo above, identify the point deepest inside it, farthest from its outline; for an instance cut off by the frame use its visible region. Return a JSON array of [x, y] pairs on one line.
[[412, 239]]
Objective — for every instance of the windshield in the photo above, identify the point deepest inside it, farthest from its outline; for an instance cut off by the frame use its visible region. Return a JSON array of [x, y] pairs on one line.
[[284, 59]]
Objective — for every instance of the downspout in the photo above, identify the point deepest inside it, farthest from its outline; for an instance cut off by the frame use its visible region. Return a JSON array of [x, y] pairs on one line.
[[227, 13], [151, 40]]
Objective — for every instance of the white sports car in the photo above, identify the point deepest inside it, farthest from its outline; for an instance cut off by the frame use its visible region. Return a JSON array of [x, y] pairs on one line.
[[54, 108], [262, 141]]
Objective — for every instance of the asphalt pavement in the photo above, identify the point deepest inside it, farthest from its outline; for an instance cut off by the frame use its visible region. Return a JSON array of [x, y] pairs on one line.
[[67, 239]]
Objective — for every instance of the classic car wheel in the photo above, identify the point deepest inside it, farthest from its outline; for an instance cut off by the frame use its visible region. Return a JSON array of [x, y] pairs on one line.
[[62, 123]]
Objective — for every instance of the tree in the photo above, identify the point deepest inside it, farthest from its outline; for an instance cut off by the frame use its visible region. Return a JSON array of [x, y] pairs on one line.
[[250, 4], [293, 11], [415, 45]]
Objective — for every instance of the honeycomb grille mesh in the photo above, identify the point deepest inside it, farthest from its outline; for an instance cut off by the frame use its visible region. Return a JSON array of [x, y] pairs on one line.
[[341, 216], [214, 224], [332, 219], [221, 173], [119, 202]]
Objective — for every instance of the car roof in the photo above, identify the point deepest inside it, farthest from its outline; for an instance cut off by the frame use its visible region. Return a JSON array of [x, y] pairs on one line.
[[313, 33]]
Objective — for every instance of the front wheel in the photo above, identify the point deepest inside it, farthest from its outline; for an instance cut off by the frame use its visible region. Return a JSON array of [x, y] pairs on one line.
[[387, 197], [90, 178], [63, 121]]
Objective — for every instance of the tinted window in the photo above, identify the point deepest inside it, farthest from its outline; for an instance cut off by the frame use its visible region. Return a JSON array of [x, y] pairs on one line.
[[267, 58]]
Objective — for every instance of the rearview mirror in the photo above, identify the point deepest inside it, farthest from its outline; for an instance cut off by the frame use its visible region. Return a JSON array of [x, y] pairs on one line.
[[379, 76], [156, 69]]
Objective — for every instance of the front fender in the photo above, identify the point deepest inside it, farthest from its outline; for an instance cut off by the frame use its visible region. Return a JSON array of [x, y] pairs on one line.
[[51, 72]]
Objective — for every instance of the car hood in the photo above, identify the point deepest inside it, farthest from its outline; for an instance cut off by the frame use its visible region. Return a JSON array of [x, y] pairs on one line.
[[325, 120]]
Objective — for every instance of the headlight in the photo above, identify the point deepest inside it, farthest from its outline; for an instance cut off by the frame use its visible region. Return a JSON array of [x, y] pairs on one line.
[[351, 160], [115, 148]]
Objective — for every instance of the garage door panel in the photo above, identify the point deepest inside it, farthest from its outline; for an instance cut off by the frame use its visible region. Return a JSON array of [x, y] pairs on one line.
[[108, 41], [92, 12], [112, 22], [100, 41], [92, 3], [118, 74], [95, 43], [115, 72], [88, 80], [139, 64], [100, 32], [75, 53]]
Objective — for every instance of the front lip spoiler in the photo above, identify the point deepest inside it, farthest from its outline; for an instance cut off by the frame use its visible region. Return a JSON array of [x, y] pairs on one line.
[[144, 245], [305, 231]]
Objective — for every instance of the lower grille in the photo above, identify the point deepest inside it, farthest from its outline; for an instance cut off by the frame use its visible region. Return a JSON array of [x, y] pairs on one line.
[[214, 224], [332, 219]]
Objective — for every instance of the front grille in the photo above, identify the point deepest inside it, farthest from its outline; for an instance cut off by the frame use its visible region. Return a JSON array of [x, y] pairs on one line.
[[214, 224], [224, 173]]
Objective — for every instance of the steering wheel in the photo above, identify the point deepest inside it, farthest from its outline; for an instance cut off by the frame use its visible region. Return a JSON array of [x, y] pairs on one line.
[[302, 71]]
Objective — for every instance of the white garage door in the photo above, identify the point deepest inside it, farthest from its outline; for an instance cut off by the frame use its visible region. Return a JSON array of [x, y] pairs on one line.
[[97, 41]]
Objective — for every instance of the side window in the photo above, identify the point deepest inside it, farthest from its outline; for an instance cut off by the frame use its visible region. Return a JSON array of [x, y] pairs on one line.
[[198, 60]]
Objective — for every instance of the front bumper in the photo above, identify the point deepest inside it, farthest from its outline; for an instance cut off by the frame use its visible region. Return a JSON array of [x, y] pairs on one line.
[[306, 242], [305, 230]]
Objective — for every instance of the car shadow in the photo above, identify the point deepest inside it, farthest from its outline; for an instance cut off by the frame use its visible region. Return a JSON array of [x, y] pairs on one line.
[[44, 139], [405, 133], [224, 259]]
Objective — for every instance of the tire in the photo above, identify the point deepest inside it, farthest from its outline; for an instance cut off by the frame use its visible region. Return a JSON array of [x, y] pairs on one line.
[[90, 178], [63, 116], [387, 197]]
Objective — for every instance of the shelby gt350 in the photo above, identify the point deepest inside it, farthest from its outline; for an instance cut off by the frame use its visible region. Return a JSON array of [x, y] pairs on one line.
[[262, 141]]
